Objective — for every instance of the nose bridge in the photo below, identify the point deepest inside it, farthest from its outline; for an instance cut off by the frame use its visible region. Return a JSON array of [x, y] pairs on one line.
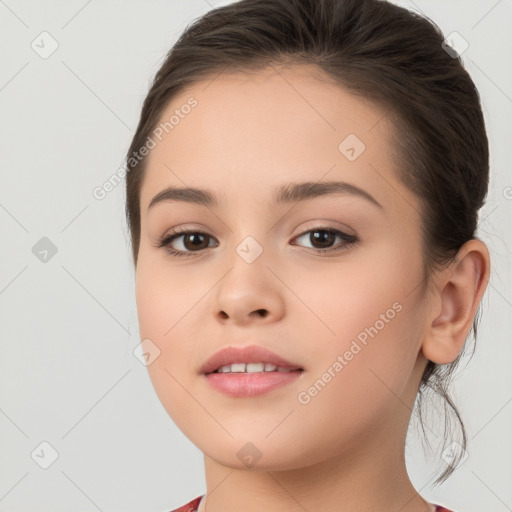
[[249, 233], [249, 289]]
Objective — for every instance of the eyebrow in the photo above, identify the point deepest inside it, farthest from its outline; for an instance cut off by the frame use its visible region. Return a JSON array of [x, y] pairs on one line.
[[292, 192]]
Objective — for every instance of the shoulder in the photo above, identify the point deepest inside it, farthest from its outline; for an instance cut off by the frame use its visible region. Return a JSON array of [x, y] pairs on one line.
[[189, 507]]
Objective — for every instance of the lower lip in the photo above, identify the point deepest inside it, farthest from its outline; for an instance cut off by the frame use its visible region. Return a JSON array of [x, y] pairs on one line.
[[241, 385]]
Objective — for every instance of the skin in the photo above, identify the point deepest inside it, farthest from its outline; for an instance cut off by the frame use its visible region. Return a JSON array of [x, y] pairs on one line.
[[344, 450]]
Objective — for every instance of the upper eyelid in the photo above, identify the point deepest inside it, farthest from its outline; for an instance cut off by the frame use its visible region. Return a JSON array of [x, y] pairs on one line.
[[322, 227]]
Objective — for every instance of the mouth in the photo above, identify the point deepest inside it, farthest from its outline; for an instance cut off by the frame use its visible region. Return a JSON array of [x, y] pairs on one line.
[[249, 359], [254, 368], [246, 372]]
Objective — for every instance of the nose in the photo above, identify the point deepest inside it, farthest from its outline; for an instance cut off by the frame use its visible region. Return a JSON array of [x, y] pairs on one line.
[[249, 292]]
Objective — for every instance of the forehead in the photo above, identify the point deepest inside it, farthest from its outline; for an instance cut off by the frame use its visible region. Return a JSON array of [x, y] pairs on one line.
[[249, 131]]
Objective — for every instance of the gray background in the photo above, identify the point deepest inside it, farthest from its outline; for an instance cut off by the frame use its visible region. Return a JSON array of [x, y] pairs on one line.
[[68, 328]]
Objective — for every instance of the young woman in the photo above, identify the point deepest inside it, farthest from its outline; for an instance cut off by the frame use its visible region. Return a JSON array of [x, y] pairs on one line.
[[302, 195]]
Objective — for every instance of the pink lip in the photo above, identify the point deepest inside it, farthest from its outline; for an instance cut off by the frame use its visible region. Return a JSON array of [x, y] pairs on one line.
[[248, 384], [250, 354], [241, 385]]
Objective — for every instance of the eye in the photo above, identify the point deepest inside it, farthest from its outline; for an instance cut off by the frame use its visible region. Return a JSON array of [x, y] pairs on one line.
[[193, 241], [322, 239]]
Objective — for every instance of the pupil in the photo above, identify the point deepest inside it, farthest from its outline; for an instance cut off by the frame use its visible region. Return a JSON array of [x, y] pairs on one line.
[[327, 236], [195, 236]]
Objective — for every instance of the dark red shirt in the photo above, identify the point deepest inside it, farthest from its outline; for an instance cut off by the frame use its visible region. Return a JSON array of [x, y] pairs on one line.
[[192, 506]]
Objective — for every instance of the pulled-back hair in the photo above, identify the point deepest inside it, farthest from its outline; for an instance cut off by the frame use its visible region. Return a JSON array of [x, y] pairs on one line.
[[378, 51]]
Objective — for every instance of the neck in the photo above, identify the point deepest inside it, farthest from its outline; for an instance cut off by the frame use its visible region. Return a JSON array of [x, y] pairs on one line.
[[373, 477]]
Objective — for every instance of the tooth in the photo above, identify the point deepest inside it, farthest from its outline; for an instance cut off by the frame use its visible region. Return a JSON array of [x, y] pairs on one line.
[[254, 367], [251, 368]]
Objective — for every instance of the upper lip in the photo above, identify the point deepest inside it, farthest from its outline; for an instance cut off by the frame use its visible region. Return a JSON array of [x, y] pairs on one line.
[[249, 354]]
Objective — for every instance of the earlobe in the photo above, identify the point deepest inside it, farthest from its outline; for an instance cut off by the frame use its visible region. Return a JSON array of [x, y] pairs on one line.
[[459, 290]]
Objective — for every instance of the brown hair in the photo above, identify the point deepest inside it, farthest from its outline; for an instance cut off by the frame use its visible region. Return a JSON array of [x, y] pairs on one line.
[[381, 52]]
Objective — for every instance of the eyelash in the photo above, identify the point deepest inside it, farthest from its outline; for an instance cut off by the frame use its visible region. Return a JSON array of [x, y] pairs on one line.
[[165, 241]]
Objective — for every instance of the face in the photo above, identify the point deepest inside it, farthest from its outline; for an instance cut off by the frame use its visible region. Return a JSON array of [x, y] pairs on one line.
[[328, 281]]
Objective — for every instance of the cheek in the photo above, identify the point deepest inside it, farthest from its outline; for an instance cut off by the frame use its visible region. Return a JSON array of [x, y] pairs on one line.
[[351, 294], [355, 386], [167, 312], [166, 300], [364, 311]]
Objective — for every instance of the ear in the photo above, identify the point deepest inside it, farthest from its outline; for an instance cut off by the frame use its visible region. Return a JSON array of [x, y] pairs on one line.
[[457, 293]]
